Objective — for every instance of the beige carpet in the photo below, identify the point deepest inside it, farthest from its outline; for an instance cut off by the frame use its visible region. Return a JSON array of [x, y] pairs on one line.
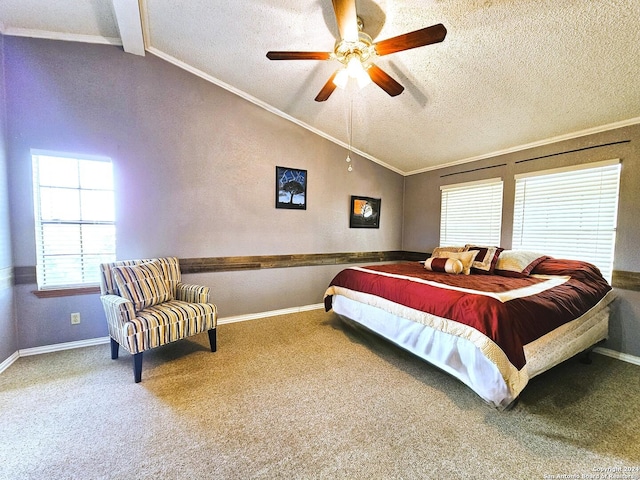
[[305, 396]]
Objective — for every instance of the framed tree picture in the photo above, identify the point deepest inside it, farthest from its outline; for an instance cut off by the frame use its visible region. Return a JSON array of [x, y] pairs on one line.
[[365, 212], [291, 188]]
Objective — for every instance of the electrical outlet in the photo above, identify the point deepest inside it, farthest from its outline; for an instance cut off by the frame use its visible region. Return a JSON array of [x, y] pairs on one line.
[[75, 318]]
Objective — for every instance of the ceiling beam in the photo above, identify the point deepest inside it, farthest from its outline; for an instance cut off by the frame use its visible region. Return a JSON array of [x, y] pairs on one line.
[[130, 25]]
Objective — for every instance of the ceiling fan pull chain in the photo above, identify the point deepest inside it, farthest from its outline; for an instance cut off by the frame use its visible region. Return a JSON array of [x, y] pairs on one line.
[[350, 135]]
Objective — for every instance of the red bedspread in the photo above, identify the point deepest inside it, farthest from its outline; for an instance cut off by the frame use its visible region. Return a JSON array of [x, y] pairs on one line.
[[485, 302]]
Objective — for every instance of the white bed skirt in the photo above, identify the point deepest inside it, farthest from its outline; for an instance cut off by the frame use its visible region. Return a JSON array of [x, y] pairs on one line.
[[464, 360]]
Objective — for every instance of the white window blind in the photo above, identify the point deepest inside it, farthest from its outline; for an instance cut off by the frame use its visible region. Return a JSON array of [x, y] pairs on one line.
[[569, 213], [471, 213], [74, 219]]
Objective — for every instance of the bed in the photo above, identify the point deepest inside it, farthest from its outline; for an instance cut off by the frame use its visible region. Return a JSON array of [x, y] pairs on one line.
[[493, 322]]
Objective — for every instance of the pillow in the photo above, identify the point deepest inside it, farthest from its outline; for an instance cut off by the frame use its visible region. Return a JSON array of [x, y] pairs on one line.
[[517, 263], [486, 258], [466, 258], [446, 265], [438, 250], [144, 284]]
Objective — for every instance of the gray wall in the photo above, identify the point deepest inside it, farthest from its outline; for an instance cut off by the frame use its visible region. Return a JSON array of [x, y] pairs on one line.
[[194, 175], [8, 344], [422, 208]]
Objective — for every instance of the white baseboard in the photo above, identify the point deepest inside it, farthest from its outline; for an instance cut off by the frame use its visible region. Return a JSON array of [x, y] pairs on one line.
[[9, 361], [272, 313], [625, 357], [57, 347]]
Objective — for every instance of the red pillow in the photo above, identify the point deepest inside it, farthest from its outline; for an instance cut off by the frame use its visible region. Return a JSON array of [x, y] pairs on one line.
[[445, 265], [486, 259]]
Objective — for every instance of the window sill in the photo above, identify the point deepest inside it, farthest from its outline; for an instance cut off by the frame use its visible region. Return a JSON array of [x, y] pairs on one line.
[[66, 292]]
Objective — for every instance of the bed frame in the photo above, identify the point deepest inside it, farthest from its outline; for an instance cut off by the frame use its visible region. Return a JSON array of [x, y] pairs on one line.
[[462, 359]]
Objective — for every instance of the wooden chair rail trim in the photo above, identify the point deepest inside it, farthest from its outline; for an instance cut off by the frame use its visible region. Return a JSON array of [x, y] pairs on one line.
[[224, 264], [27, 275], [626, 280]]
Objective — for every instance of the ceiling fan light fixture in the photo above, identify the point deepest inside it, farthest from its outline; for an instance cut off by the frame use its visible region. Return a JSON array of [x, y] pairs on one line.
[[354, 66], [363, 79], [353, 69], [341, 79], [356, 70]]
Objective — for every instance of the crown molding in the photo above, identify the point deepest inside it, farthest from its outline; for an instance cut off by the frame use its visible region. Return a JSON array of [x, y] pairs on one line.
[[548, 141], [68, 37]]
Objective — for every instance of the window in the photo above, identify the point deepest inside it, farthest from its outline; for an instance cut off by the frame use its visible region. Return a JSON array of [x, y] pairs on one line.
[[471, 213], [74, 219], [569, 213]]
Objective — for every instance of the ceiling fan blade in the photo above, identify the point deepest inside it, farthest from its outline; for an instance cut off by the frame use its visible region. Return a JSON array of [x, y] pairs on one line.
[[347, 19], [298, 55], [417, 38], [384, 81], [327, 90]]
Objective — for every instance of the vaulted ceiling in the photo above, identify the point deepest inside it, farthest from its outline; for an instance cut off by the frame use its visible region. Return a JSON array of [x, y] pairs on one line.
[[509, 74]]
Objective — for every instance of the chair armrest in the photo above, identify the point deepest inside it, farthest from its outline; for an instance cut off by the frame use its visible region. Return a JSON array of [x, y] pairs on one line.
[[119, 310], [192, 293]]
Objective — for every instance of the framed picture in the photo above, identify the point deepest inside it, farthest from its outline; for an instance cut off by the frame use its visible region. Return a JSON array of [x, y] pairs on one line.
[[291, 188], [365, 212]]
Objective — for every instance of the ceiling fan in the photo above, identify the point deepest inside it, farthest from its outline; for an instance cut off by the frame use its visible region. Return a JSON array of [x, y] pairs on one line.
[[356, 51]]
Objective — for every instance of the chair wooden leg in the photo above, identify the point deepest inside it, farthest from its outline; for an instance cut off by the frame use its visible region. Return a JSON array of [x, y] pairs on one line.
[[114, 349], [137, 367], [213, 339]]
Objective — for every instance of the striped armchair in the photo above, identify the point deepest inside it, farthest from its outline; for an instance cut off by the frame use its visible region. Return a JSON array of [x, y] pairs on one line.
[[147, 306]]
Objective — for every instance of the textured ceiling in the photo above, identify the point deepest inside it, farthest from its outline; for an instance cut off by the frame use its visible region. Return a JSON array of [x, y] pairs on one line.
[[509, 74]]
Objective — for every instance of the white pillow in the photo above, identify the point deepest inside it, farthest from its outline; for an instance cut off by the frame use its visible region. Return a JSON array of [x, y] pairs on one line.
[[438, 250], [517, 263]]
